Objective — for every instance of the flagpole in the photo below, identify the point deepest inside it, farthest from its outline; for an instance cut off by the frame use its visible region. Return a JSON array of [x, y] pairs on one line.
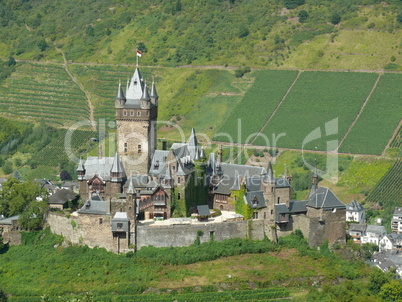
[[136, 55]]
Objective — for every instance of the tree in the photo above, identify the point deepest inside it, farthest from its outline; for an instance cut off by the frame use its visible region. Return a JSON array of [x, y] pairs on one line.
[[391, 291], [11, 61], [399, 18], [26, 199], [290, 4], [64, 175], [3, 296], [335, 18], [377, 279], [303, 15]]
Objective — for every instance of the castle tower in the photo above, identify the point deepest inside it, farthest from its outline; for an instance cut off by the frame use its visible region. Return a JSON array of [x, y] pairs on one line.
[[136, 115]]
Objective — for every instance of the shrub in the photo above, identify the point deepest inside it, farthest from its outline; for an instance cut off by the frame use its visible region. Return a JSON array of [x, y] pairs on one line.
[[335, 18]]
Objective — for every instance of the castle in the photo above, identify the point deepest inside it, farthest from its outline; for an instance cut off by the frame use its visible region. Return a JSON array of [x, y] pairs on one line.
[[140, 182]]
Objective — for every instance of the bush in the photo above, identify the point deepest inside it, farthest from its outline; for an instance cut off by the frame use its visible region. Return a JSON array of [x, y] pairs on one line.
[[335, 18], [239, 73]]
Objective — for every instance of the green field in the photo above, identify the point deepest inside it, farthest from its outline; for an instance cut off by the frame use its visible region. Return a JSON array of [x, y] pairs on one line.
[[318, 98], [256, 106], [43, 92], [378, 120]]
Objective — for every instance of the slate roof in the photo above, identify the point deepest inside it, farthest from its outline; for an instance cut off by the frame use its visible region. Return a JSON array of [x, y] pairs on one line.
[[224, 186], [99, 166], [358, 227], [255, 199], [281, 209], [398, 212], [135, 88], [9, 220], [120, 216], [376, 229], [62, 196], [297, 206], [234, 170], [158, 163], [323, 198], [354, 206], [203, 210], [253, 183], [95, 205]]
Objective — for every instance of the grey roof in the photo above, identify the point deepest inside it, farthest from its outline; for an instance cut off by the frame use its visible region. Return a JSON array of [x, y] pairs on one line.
[[9, 220], [62, 196], [193, 144], [145, 95], [158, 163], [234, 170], [117, 166], [131, 187], [236, 184], [203, 210], [376, 229], [139, 181], [135, 88], [120, 216], [269, 177], [120, 94], [281, 208], [398, 212], [99, 166], [357, 227], [314, 188], [185, 165], [253, 183], [323, 198], [297, 206], [393, 237], [80, 165], [281, 182], [255, 199], [95, 205], [202, 153], [224, 185], [354, 206], [168, 174], [154, 94]]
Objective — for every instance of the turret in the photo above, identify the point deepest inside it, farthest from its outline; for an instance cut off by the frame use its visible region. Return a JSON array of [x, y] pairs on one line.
[[154, 94], [117, 172], [81, 170], [145, 99], [120, 98], [269, 177]]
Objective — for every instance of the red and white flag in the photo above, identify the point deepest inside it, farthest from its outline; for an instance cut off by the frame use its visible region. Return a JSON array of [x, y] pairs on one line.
[[139, 53]]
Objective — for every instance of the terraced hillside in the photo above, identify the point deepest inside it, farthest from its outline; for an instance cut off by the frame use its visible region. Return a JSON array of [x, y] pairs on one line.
[[274, 108], [43, 92]]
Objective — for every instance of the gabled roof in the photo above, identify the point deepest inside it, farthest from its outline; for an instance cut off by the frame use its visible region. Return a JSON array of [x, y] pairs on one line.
[[297, 206], [95, 205], [354, 206], [62, 196], [376, 229], [324, 199], [99, 166], [358, 227], [234, 170], [120, 216], [281, 209], [203, 210], [255, 199], [158, 163]]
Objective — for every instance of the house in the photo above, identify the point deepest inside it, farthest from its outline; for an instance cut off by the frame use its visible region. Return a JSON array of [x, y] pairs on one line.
[[396, 222], [392, 241], [356, 231], [355, 212], [373, 234], [61, 198]]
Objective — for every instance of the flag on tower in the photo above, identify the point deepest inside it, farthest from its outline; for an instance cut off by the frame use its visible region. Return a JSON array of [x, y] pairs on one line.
[[139, 53]]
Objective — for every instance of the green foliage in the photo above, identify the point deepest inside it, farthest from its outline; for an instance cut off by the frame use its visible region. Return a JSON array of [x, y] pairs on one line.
[[3, 296], [19, 198], [335, 18], [240, 206], [377, 279], [391, 291], [239, 73], [290, 4], [303, 15]]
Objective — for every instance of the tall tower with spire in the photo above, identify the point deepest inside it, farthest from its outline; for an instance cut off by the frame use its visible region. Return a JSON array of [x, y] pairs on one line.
[[136, 115]]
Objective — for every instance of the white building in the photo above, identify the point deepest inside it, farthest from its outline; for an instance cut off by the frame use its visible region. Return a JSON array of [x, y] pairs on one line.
[[396, 223], [373, 234], [355, 212], [390, 242]]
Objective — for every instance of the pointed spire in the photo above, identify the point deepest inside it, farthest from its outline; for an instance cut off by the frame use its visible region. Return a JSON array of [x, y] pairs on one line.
[[315, 174], [145, 94], [193, 144], [168, 175], [131, 187], [202, 154], [120, 94], [128, 84], [269, 177], [80, 167], [154, 94], [135, 89], [314, 188], [117, 166], [236, 184], [197, 155]]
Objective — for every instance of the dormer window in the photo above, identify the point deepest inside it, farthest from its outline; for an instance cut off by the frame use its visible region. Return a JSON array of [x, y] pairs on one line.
[[156, 165], [135, 82]]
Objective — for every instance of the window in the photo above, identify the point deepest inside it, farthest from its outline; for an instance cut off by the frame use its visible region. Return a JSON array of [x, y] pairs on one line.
[[272, 212], [138, 113], [255, 215], [125, 148], [265, 215], [178, 180], [131, 112], [279, 199], [174, 168], [100, 220], [125, 112], [121, 209], [272, 189], [139, 149], [178, 196], [119, 225]]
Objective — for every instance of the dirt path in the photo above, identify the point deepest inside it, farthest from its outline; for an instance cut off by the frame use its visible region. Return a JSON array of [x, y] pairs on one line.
[[87, 95], [392, 137], [360, 112], [277, 107]]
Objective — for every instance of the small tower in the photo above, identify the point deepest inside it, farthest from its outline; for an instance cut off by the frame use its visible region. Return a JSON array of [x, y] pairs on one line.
[[193, 145], [120, 98], [81, 170], [154, 94], [117, 176], [145, 99]]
